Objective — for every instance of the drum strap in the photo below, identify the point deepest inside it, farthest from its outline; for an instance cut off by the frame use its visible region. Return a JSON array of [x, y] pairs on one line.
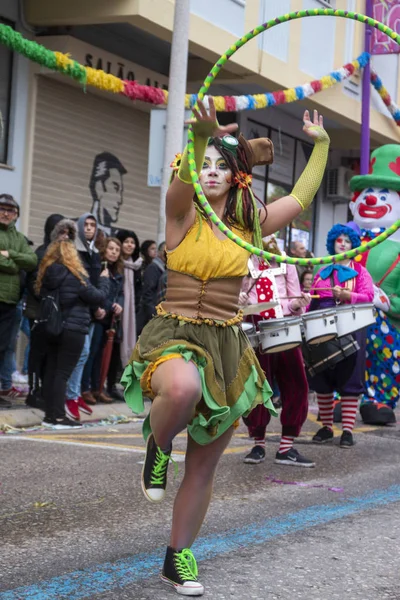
[[390, 269]]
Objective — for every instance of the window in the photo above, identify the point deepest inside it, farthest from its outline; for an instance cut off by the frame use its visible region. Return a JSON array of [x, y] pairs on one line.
[[328, 3], [277, 180], [6, 64]]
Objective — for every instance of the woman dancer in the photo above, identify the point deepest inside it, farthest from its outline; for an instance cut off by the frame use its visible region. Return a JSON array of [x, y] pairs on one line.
[[351, 284], [192, 359]]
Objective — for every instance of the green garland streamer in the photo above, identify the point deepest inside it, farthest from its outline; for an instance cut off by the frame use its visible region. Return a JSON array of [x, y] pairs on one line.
[[39, 54], [330, 12]]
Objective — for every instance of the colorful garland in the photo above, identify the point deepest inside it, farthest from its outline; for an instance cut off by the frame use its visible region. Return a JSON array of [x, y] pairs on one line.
[[57, 61], [257, 101], [384, 94]]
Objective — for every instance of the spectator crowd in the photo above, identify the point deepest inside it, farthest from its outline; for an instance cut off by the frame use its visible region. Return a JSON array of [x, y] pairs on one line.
[[81, 299]]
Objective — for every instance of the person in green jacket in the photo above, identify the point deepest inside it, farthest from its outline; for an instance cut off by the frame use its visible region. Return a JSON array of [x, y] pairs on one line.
[[15, 256]]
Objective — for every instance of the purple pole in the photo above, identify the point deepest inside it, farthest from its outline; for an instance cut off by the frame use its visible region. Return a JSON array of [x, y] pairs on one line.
[[366, 98]]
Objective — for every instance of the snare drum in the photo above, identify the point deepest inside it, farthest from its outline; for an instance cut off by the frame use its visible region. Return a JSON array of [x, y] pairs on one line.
[[320, 326], [352, 317], [252, 334], [278, 335]]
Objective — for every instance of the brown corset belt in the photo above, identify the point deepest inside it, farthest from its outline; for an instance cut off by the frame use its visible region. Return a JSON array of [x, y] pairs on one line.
[[197, 299]]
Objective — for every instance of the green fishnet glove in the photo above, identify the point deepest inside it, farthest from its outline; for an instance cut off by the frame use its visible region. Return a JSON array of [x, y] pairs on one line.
[[202, 131], [309, 181]]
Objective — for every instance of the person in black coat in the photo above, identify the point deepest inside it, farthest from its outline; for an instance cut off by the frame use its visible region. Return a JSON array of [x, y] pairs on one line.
[[37, 349], [150, 288], [90, 258], [113, 306], [61, 270]]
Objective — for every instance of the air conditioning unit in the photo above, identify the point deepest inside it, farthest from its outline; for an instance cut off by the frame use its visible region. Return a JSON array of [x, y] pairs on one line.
[[337, 184]]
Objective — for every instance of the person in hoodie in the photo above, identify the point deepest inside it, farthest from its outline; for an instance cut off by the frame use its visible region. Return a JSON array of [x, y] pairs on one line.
[[15, 256], [38, 348], [61, 270], [85, 244]]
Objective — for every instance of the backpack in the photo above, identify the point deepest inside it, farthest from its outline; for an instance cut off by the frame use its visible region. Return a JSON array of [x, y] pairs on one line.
[[50, 318]]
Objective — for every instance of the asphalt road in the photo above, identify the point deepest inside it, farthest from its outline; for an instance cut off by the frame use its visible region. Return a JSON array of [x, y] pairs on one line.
[[74, 523]]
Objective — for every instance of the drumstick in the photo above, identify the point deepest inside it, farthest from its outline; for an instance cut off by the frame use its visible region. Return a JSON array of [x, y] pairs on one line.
[[297, 297], [254, 283]]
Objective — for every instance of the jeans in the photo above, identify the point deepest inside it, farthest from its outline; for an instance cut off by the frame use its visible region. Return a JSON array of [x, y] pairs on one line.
[[91, 372], [74, 382], [8, 364], [63, 354]]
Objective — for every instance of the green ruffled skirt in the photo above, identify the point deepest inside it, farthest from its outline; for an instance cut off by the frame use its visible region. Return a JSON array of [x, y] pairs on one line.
[[232, 380]]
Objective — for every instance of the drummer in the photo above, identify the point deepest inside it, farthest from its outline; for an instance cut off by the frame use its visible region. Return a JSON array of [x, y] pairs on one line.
[[346, 282], [278, 282]]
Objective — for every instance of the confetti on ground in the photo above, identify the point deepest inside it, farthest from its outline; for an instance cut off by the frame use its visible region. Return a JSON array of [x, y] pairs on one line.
[[304, 484], [111, 420]]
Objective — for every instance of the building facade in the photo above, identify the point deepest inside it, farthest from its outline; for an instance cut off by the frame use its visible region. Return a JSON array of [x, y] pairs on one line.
[[73, 151]]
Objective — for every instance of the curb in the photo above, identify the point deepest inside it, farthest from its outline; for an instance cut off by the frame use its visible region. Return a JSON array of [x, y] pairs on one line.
[[31, 417]]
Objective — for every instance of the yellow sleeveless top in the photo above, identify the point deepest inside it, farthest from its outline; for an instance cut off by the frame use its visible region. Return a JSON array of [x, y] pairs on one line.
[[204, 256]]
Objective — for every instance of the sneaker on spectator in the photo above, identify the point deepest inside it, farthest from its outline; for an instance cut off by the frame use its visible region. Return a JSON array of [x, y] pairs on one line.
[[72, 409], [18, 377], [88, 398], [83, 406], [67, 423], [13, 394], [48, 422]]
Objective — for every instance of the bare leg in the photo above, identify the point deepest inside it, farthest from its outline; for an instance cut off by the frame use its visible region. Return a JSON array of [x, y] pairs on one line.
[[177, 386], [194, 495]]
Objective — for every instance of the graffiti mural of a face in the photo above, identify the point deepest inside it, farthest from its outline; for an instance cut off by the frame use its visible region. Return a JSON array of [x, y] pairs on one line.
[[107, 188], [376, 207]]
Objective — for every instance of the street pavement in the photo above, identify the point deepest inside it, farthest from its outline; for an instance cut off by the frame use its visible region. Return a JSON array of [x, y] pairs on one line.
[[74, 523]]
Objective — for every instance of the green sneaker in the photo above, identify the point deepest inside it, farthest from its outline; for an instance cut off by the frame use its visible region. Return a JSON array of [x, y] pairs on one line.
[[180, 572], [154, 472]]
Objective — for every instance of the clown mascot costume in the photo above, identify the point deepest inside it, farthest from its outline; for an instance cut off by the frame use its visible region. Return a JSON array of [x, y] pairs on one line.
[[375, 206]]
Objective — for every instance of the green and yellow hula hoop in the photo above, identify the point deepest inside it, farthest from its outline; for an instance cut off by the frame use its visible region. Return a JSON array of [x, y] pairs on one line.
[[318, 12]]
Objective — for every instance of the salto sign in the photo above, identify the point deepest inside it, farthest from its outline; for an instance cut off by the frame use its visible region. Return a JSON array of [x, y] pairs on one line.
[[387, 12]]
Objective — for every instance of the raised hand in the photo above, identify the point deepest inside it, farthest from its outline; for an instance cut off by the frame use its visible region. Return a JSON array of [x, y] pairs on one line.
[[315, 129], [206, 122]]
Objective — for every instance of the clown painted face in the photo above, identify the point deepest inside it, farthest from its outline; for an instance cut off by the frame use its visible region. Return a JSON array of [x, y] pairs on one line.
[[342, 244], [375, 208], [215, 176]]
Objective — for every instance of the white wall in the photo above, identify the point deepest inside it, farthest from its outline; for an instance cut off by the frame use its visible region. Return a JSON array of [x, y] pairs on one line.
[[276, 40], [317, 33], [226, 14], [11, 175]]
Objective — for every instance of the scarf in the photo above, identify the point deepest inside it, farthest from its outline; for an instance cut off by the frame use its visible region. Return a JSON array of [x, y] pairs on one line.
[[343, 273], [129, 312]]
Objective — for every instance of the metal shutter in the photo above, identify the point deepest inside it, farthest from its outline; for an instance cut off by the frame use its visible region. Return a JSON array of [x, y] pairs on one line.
[[71, 128]]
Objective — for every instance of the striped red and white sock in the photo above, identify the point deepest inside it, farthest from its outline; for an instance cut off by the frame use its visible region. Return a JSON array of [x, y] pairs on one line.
[[325, 405], [286, 444], [349, 412], [259, 442]]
